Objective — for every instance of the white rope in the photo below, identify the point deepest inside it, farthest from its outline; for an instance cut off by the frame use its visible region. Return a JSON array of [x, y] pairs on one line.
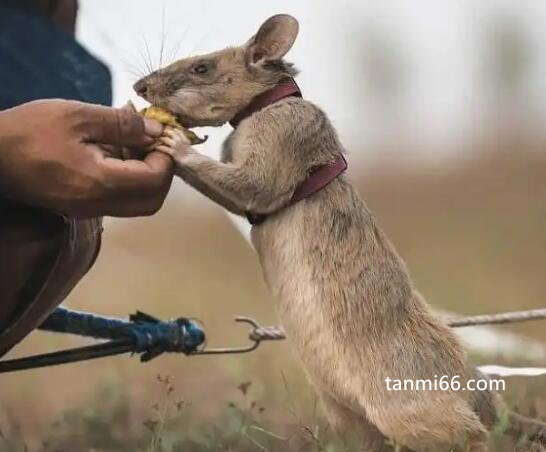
[[275, 333], [503, 371], [498, 319]]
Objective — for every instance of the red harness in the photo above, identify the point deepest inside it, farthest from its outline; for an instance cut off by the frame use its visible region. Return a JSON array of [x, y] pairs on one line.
[[319, 178]]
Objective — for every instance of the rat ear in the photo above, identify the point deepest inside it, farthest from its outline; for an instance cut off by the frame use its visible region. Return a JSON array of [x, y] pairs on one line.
[[273, 40]]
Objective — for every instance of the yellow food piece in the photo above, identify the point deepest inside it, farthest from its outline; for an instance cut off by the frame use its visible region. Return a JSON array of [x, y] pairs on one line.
[[167, 118]]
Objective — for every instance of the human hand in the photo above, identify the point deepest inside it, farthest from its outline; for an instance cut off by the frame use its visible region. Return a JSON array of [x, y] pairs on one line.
[[60, 155]]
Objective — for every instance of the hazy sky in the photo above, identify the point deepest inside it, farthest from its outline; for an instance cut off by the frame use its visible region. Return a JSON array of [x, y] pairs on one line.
[[435, 49]]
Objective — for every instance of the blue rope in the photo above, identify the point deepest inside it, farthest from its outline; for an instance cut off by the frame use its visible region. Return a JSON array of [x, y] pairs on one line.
[[142, 334], [179, 335]]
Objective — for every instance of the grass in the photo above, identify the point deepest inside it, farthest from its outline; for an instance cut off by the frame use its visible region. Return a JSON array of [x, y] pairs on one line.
[[107, 423], [170, 425], [472, 234]]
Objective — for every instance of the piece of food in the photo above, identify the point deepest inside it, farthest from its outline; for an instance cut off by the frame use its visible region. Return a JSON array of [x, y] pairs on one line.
[[167, 118]]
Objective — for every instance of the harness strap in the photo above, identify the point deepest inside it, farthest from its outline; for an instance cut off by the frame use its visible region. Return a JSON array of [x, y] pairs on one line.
[[287, 88], [316, 181]]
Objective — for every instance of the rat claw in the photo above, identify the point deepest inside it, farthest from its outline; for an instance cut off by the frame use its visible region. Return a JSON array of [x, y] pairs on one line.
[[168, 132], [176, 136], [181, 136], [167, 140], [172, 132]]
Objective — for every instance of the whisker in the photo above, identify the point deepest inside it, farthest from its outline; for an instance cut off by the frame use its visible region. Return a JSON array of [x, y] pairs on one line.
[[141, 59], [147, 55], [143, 64], [131, 76], [135, 68], [163, 36], [134, 74], [176, 48]]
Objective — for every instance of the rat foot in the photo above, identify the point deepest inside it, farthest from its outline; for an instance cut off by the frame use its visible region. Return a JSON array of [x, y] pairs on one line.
[[174, 143]]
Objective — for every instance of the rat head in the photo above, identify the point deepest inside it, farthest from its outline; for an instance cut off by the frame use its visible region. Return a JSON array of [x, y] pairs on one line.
[[209, 90]]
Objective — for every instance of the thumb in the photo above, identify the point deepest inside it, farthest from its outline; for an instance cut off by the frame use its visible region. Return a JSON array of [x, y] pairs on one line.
[[117, 126]]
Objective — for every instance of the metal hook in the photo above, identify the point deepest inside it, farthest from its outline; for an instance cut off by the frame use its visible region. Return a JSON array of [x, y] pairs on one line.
[[225, 351]]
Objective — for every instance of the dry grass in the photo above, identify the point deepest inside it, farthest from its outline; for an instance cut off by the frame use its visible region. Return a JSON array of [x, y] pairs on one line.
[[472, 234], [171, 423]]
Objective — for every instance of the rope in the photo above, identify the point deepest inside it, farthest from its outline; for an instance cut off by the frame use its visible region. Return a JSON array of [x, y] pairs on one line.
[[267, 333], [498, 319], [141, 334], [275, 333], [150, 337], [146, 332]]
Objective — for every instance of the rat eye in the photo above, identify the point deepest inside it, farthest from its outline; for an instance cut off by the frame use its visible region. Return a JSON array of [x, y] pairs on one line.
[[200, 69]]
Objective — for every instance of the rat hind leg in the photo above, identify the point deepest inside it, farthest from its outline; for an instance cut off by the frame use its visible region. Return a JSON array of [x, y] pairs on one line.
[[346, 421], [447, 425]]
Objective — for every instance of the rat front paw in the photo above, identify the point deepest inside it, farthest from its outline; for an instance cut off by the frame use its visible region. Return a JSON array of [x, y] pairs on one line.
[[175, 143]]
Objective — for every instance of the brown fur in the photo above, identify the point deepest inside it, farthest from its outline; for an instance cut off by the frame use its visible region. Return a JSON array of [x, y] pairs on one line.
[[344, 295]]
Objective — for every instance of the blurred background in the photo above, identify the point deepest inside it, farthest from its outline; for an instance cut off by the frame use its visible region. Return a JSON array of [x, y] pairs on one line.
[[441, 105]]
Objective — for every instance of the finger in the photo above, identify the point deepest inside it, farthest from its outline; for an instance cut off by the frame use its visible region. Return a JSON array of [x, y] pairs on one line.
[[127, 188], [115, 126], [111, 151], [133, 187], [130, 106], [136, 203], [159, 162], [152, 127], [128, 177], [165, 149], [133, 153], [125, 153]]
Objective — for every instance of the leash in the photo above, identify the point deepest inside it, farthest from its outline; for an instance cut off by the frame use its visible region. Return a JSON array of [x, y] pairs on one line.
[[150, 337], [142, 335], [278, 333], [497, 319]]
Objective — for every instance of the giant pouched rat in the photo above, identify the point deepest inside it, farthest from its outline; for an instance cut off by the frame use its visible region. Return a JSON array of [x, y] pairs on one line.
[[344, 295]]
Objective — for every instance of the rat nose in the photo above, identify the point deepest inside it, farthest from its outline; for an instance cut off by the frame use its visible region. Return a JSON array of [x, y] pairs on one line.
[[141, 87]]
